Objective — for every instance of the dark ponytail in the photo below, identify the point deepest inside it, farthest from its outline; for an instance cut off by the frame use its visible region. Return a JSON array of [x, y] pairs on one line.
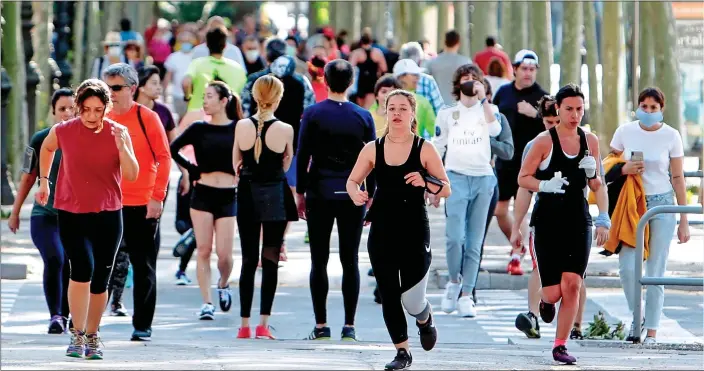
[[233, 109]]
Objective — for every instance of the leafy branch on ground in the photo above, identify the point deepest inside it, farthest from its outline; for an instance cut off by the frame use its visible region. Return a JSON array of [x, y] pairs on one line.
[[600, 329]]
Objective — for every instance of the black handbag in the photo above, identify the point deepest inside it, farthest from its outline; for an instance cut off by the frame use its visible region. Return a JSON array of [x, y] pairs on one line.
[[268, 201]]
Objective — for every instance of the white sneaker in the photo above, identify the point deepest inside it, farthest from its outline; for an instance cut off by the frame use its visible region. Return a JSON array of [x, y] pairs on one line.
[[207, 312], [649, 340], [449, 300], [466, 307]]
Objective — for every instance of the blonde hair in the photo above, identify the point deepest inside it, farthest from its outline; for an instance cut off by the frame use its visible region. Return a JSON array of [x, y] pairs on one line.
[[411, 100], [267, 92]]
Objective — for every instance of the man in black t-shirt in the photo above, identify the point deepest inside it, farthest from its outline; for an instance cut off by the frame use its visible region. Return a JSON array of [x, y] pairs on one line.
[[517, 101]]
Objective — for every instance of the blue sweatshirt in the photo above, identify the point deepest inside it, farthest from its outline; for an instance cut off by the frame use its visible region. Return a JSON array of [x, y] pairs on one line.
[[331, 136]]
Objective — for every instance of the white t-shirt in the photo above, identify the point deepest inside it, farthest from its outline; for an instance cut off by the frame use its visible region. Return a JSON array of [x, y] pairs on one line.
[[462, 135], [658, 148], [177, 63], [230, 52]]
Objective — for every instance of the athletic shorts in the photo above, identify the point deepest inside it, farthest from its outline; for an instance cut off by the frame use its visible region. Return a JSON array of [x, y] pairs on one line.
[[508, 183], [560, 251], [291, 173], [221, 202]]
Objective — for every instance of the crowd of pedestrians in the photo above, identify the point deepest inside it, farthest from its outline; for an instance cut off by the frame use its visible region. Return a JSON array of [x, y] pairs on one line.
[[267, 131]]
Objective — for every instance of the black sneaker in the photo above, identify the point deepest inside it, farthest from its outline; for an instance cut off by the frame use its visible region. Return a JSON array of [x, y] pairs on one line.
[[559, 354], [348, 334], [528, 324], [377, 296], [576, 333], [370, 272], [322, 333], [547, 312], [402, 361], [428, 334]]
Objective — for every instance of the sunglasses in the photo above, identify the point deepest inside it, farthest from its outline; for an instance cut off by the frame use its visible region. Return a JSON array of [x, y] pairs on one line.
[[117, 88]]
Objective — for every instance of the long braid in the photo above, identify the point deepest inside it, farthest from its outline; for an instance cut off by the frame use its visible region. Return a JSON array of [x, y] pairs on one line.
[[267, 92], [258, 141]]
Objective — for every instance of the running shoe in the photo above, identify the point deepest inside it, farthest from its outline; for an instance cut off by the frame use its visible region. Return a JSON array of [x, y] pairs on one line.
[[528, 324], [547, 311], [225, 295], [649, 340], [244, 333], [370, 272], [319, 333], [402, 361], [348, 334], [514, 267], [559, 354], [263, 333], [377, 296], [182, 279], [118, 310], [449, 299], [77, 344], [93, 350], [138, 335], [207, 312], [428, 333], [466, 308], [56, 324], [631, 335], [576, 333]]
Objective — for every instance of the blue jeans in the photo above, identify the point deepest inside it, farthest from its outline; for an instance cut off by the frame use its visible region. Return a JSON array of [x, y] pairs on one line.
[[466, 213], [44, 230], [662, 229]]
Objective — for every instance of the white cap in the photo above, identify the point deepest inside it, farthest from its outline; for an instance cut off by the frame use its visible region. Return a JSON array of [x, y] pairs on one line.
[[405, 66], [527, 56]]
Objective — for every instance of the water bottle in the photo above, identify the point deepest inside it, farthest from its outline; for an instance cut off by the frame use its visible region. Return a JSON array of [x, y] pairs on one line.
[[184, 242]]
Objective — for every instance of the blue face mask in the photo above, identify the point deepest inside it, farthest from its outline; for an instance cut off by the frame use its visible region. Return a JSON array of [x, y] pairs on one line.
[[648, 119], [186, 47]]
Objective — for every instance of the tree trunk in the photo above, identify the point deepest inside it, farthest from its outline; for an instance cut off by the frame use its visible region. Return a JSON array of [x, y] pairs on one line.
[[14, 63], [370, 12], [514, 28], [113, 13], [542, 30], [355, 23], [79, 55], [570, 56], [94, 49], [462, 26], [645, 43], [595, 120], [666, 63], [312, 17], [443, 22], [400, 10], [484, 23], [507, 36], [381, 24], [41, 36], [417, 25], [611, 58]]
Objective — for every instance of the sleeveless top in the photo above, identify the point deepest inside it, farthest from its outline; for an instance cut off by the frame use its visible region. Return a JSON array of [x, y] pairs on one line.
[[89, 175], [270, 166], [367, 74], [392, 192], [569, 209]]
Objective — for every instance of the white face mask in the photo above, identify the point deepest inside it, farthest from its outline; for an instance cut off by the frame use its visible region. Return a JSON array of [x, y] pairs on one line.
[[114, 51], [251, 55]]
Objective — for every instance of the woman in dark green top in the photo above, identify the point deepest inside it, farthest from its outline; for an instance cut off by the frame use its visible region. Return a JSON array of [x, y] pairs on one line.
[[43, 222]]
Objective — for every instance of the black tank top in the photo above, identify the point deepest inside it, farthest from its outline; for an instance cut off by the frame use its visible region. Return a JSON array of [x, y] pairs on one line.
[[391, 187], [367, 74], [570, 208], [270, 166]]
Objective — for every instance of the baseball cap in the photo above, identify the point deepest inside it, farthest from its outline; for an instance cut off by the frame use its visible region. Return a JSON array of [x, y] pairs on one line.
[[527, 56], [405, 66]]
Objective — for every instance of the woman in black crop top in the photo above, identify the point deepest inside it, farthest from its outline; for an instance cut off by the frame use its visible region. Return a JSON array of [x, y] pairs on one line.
[[213, 200], [262, 152], [399, 239]]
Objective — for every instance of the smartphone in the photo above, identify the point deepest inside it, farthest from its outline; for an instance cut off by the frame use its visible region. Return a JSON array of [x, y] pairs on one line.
[[636, 155]]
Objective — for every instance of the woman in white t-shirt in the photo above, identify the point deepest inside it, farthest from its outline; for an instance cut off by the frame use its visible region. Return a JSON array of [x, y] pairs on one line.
[[661, 171]]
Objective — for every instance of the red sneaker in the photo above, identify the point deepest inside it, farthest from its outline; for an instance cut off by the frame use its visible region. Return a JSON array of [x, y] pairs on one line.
[[514, 268], [264, 333], [244, 333]]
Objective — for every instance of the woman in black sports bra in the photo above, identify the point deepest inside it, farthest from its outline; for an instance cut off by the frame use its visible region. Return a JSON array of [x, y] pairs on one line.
[[399, 240], [263, 151], [213, 206]]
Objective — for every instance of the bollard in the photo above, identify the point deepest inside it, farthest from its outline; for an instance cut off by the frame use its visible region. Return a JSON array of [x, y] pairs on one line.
[[7, 189]]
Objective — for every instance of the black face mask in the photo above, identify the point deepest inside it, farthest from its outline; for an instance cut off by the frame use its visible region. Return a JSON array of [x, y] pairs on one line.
[[467, 88]]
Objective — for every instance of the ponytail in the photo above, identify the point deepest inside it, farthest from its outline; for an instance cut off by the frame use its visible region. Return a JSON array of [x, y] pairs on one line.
[[233, 109]]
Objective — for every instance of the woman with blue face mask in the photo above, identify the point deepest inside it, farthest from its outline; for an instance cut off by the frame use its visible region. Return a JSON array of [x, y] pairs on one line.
[[653, 151]]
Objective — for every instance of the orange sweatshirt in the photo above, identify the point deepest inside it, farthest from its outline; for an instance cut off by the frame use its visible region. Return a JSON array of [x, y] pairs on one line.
[[154, 162]]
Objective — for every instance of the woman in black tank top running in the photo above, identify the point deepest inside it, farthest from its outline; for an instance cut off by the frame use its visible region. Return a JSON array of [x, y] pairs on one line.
[[399, 240], [561, 219], [262, 152]]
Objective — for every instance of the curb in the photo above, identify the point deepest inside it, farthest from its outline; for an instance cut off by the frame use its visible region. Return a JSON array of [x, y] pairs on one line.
[[13, 271], [502, 281]]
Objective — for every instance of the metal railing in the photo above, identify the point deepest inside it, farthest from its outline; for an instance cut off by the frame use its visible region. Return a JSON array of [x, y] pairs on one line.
[[641, 281]]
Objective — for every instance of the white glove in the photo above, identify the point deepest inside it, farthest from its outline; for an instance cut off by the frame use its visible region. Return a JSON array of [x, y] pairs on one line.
[[588, 163], [553, 185]]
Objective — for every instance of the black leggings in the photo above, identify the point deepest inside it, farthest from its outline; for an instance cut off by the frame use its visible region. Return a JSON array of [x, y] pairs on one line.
[[273, 238], [91, 241], [184, 223], [321, 216], [399, 247]]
